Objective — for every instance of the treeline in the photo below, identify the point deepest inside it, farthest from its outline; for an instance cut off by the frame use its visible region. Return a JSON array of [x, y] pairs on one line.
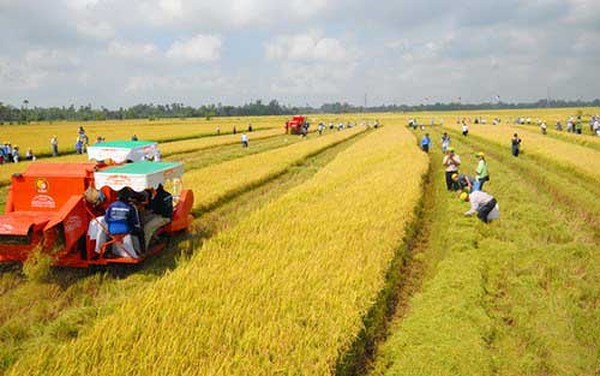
[[25, 114]]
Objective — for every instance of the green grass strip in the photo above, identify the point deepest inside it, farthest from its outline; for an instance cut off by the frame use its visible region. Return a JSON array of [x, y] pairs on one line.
[[514, 297]]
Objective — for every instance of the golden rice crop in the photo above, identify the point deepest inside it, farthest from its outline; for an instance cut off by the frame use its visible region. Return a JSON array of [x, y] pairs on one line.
[[282, 292], [567, 154], [215, 182]]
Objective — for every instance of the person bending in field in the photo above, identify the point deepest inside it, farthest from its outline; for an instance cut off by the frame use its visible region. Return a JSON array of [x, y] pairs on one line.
[[451, 163], [482, 203], [465, 183]]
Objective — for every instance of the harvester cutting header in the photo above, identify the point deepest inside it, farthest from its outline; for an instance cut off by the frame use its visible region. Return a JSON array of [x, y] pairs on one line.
[[96, 213]]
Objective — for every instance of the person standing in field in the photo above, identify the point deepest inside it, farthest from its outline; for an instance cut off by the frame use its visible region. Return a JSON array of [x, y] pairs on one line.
[[578, 125], [465, 129], [425, 142], [516, 145], [482, 170], [445, 142], [54, 145], [451, 163], [244, 140]]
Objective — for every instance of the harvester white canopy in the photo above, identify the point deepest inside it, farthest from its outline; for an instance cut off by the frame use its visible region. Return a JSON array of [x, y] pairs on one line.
[[121, 151], [138, 175]]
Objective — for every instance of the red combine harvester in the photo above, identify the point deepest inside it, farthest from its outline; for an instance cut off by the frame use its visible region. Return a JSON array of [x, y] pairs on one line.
[[46, 208], [296, 125]]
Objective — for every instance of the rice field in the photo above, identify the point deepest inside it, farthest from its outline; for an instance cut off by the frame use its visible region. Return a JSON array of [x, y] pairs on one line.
[[335, 254]]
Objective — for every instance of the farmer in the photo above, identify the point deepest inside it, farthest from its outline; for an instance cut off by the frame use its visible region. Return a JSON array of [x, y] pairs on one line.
[[484, 204], [425, 142], [244, 140], [159, 214], [54, 145], [482, 170], [15, 154], [79, 146], [445, 142], [516, 145], [465, 183], [123, 218], [451, 162], [465, 129], [29, 155]]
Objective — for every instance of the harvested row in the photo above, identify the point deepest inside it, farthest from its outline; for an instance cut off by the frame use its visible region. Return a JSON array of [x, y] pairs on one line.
[[284, 291], [564, 154], [517, 296], [576, 193], [216, 183]]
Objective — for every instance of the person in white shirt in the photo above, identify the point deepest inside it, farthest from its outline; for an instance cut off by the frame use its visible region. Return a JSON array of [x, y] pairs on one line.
[[465, 129], [244, 140], [451, 163], [482, 203]]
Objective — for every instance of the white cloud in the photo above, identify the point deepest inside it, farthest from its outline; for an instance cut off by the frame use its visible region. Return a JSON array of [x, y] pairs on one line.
[[306, 47], [132, 50], [95, 29], [584, 11], [198, 49], [308, 79], [50, 59]]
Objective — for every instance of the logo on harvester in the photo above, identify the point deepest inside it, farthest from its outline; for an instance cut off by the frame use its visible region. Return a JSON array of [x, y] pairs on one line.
[[41, 185]]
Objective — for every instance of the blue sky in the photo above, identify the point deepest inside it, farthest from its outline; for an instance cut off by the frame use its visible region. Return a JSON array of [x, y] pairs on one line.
[[118, 53]]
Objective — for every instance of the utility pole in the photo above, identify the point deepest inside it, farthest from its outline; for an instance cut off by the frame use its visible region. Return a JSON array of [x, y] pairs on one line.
[[548, 96], [365, 101]]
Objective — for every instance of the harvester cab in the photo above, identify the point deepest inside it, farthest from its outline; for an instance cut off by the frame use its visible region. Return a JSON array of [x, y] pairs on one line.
[[296, 125], [46, 208]]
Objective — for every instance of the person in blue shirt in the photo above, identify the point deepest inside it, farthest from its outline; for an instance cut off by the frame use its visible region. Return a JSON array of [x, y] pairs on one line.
[[123, 218], [425, 142]]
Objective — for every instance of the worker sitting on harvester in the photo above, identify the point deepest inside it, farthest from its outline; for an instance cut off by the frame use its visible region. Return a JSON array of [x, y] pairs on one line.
[[123, 218], [482, 203], [159, 212]]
